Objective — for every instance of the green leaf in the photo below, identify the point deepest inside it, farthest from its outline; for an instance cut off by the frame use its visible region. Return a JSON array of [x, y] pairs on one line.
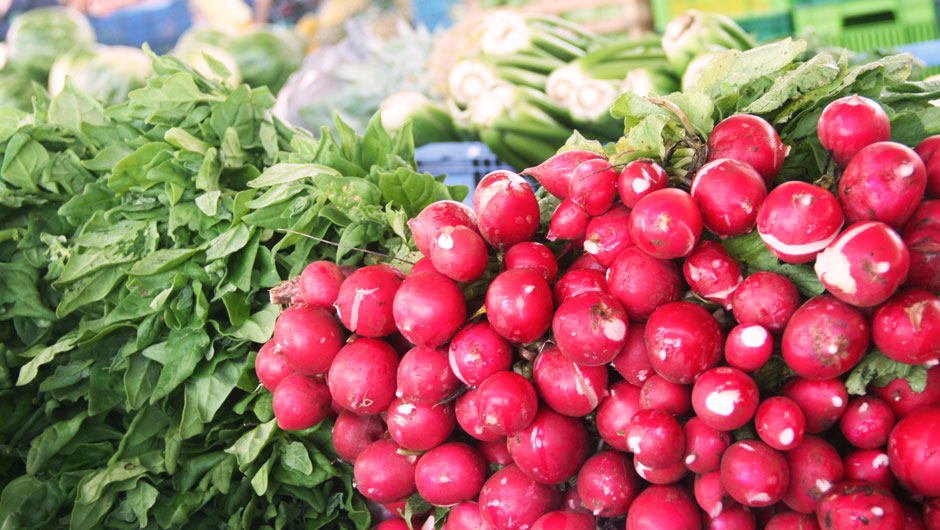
[[88, 290], [408, 189], [210, 390], [23, 162], [285, 173], [44, 355], [232, 240], [751, 250], [180, 138], [258, 328], [139, 380], [259, 482], [878, 369], [72, 108], [348, 192], [15, 498], [141, 499], [161, 261], [184, 349], [51, 441], [296, 458], [249, 446]]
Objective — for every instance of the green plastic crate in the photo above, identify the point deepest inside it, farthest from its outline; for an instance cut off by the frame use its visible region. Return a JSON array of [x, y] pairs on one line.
[[768, 27], [864, 25], [666, 10]]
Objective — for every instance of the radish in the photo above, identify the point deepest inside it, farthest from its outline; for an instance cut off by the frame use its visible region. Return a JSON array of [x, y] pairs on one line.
[[931, 518], [586, 261], [683, 340], [510, 500], [865, 265], [578, 281], [507, 403], [450, 474], [550, 433], [477, 352], [642, 282], [750, 140], [661, 507], [424, 376], [423, 265], [565, 520], [780, 423], [352, 434], [437, 215], [666, 224], [906, 328], [655, 438], [320, 282], [913, 449], [815, 467], [495, 451], [459, 253], [569, 221], [725, 398], [633, 362], [638, 179], [729, 194], [608, 234], [506, 208], [922, 238], [883, 182], [519, 305], [464, 516], [308, 337], [710, 494], [712, 273], [867, 422], [869, 464], [615, 413], [822, 401], [534, 256], [593, 186], [300, 402], [571, 501], [850, 123], [792, 521], [397, 511], [926, 151], [825, 338], [554, 174], [591, 328], [858, 506], [382, 474], [661, 475], [797, 220], [607, 484], [903, 400], [765, 298], [362, 377], [734, 517], [270, 366], [428, 309], [659, 394], [393, 524], [754, 473], [568, 387], [467, 411], [748, 347], [420, 427], [703, 446], [364, 303]]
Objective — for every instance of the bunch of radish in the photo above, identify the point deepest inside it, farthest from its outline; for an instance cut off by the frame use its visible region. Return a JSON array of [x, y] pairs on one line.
[[614, 387]]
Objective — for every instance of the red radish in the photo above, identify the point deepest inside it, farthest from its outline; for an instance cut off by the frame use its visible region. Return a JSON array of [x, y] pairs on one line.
[[822, 401], [608, 234], [555, 173], [569, 221], [270, 366], [519, 305], [512, 501], [661, 507], [780, 423], [703, 446], [870, 465], [565, 520], [362, 377], [858, 506], [931, 518], [419, 427], [384, 475], [535, 256], [659, 394], [867, 422], [865, 265], [392, 524], [593, 186], [792, 521], [765, 298], [642, 283], [423, 265], [365, 299], [450, 474], [591, 328], [725, 398], [825, 338], [424, 376], [712, 273], [710, 494], [586, 261], [922, 237], [568, 387], [927, 150], [437, 215], [749, 139], [506, 207], [428, 309], [464, 516], [308, 337], [883, 182], [815, 466], [607, 484], [666, 224], [655, 438], [571, 501], [579, 281], [661, 475], [797, 220], [638, 179], [319, 283], [729, 193], [477, 352], [467, 411], [615, 412], [734, 517], [550, 433], [754, 473], [748, 347], [507, 403], [633, 362], [495, 451], [300, 402], [906, 328], [459, 253], [352, 434], [903, 400], [683, 340], [850, 123], [912, 451]]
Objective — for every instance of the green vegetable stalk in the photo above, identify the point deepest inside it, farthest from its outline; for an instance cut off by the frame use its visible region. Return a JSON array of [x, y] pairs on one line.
[[694, 32]]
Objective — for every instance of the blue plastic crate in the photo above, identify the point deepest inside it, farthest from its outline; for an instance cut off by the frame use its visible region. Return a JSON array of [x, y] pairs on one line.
[[463, 162], [432, 13], [159, 25]]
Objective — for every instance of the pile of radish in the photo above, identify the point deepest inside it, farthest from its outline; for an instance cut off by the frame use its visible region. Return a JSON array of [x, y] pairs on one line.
[[614, 387]]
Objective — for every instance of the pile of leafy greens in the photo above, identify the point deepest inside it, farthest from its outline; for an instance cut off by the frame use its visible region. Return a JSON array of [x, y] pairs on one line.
[[137, 245]]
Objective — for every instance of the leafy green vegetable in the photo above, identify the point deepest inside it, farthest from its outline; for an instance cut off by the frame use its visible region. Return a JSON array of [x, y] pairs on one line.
[[752, 251], [878, 369]]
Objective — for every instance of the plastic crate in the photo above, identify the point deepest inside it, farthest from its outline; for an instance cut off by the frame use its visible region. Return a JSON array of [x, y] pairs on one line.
[[666, 10], [463, 162], [768, 26], [159, 25], [864, 25]]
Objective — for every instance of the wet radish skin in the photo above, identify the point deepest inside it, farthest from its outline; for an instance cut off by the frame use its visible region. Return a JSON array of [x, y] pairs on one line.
[[633, 362], [870, 465], [822, 401], [420, 427], [859, 506], [725, 398], [683, 340], [659, 507], [320, 282], [506, 209], [867, 422], [825, 338], [750, 140], [591, 328], [703, 446], [428, 309], [551, 448], [424, 376], [797, 220], [608, 234], [555, 173], [352, 434], [666, 224], [712, 273], [754, 474], [912, 451], [815, 466], [519, 305], [569, 221], [710, 493], [459, 253], [300, 402], [729, 193], [642, 282], [437, 215], [638, 179], [512, 501], [607, 484], [593, 186], [883, 182], [308, 337], [450, 473], [270, 366], [850, 123], [364, 303], [906, 328], [578, 281], [477, 352], [922, 237], [765, 298], [780, 423], [507, 403], [568, 387], [615, 412], [534, 256], [382, 474], [734, 517], [363, 376]]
